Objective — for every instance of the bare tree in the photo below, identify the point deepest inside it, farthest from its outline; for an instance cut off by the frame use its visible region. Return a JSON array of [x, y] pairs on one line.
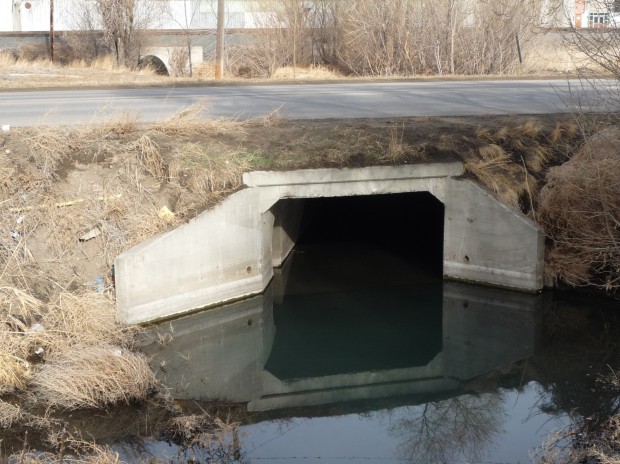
[[184, 16], [397, 37], [283, 37], [445, 430], [124, 24]]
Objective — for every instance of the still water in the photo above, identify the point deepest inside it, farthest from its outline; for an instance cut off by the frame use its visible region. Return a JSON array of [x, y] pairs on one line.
[[354, 354]]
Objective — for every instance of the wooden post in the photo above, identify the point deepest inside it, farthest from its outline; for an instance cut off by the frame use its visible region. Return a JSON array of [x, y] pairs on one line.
[[52, 31], [219, 43]]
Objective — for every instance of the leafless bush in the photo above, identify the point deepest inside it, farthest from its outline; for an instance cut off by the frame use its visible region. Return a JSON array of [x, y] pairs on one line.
[[394, 37], [124, 24], [212, 438], [179, 61], [580, 211]]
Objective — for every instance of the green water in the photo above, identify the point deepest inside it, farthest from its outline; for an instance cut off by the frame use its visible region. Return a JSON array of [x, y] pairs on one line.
[[355, 354]]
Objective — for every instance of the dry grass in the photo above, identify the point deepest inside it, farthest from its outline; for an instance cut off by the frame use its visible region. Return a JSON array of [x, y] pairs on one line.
[[93, 455], [14, 373], [85, 319], [92, 376], [493, 167], [580, 212], [9, 414], [514, 160], [312, 72], [192, 120], [204, 170], [217, 438], [33, 70]]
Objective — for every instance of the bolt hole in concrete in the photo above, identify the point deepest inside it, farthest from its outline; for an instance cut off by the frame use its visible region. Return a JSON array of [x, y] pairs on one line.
[[249, 269]]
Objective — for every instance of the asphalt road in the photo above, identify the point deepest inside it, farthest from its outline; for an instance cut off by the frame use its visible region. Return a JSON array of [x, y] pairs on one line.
[[303, 101]]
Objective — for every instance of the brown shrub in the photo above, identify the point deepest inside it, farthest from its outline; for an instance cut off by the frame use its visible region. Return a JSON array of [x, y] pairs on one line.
[[580, 211]]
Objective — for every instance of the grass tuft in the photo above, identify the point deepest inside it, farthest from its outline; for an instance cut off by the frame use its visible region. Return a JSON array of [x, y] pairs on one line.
[[14, 373], [93, 377]]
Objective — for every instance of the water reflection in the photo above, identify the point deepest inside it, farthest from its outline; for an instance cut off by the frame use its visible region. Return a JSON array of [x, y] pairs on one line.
[[325, 340], [309, 342], [446, 430]]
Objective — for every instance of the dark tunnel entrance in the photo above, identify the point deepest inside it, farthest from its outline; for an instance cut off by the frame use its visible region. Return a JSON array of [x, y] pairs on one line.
[[363, 288], [409, 225]]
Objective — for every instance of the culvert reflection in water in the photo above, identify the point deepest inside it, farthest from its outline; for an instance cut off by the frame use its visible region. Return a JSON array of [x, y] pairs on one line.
[[338, 362]]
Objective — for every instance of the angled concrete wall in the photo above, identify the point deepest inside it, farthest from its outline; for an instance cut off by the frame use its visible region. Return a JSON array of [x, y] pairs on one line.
[[229, 252]]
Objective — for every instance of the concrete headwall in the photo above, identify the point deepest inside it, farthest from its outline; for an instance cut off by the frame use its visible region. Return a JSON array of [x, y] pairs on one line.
[[229, 252]]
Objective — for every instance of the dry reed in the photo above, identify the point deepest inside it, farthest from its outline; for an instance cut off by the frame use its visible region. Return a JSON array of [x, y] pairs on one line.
[[87, 318], [191, 120], [493, 168], [93, 376], [580, 212], [208, 171], [14, 373]]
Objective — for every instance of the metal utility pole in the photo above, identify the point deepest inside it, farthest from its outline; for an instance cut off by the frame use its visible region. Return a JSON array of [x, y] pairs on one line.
[[219, 41], [52, 31]]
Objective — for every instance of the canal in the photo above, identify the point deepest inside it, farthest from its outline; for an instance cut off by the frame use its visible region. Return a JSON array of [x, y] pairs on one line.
[[357, 352]]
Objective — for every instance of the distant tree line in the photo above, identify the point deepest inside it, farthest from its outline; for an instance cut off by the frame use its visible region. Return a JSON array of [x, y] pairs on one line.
[[356, 37], [394, 37]]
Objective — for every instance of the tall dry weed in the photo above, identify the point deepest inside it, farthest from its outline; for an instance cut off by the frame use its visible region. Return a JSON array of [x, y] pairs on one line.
[[14, 373], [207, 171], [493, 167], [93, 377], [580, 212], [147, 155], [86, 318], [9, 414], [193, 119]]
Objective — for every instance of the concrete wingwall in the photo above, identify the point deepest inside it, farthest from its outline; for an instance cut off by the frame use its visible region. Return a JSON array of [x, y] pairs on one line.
[[229, 252]]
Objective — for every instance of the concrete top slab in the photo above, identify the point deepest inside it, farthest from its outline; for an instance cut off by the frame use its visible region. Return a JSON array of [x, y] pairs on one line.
[[319, 176]]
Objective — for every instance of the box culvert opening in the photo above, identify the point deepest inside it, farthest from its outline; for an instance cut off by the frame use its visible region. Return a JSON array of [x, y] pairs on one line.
[[363, 289], [408, 225]]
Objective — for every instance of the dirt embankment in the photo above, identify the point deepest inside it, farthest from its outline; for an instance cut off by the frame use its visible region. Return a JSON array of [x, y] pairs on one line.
[[74, 198]]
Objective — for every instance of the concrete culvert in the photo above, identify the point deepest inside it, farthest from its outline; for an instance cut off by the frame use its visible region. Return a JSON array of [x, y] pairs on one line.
[[152, 61]]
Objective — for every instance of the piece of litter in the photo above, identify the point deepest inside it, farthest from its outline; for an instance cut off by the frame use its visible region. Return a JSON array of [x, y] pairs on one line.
[[90, 234], [14, 234], [7, 151], [36, 327], [39, 351], [166, 214], [20, 219], [6, 128]]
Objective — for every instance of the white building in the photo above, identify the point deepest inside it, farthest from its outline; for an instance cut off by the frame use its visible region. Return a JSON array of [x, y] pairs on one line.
[[34, 15]]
